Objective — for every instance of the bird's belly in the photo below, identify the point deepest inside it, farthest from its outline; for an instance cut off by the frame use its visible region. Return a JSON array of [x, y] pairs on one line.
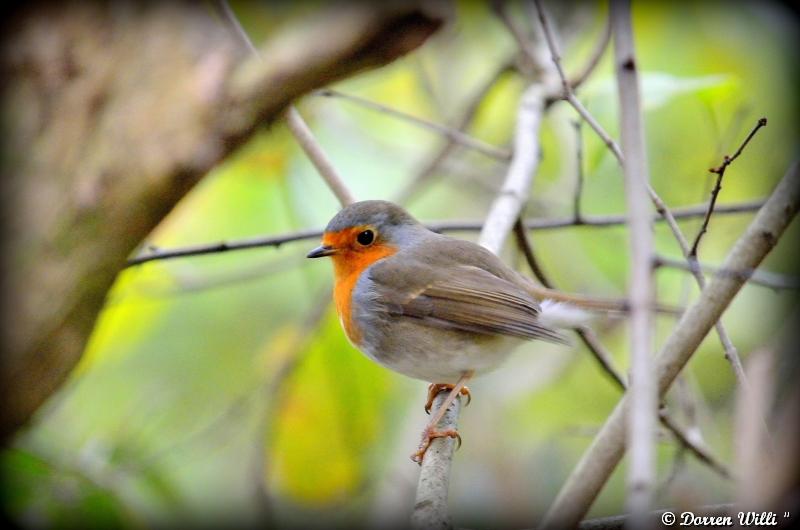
[[436, 355]]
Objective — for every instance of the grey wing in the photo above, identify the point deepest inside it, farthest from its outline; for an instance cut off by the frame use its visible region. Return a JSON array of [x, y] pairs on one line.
[[461, 297]]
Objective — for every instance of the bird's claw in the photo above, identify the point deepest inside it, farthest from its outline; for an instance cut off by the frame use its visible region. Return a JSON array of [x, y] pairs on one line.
[[435, 388], [428, 436]]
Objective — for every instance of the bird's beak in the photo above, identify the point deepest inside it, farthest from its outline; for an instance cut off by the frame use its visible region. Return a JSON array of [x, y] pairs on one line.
[[321, 251]]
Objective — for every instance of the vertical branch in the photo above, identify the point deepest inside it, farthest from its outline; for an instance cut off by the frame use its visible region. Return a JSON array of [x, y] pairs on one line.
[[576, 198], [507, 206], [430, 505], [641, 428]]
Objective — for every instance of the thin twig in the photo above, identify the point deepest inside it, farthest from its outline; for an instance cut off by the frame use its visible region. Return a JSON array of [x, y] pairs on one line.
[[586, 335], [608, 447], [594, 58], [763, 278], [230, 18], [720, 171], [314, 151], [600, 221], [700, 452], [530, 52], [568, 92], [454, 135], [151, 253], [524, 244]]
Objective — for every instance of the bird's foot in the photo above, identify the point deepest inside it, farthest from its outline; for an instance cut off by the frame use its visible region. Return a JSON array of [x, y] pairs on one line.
[[430, 434], [435, 388]]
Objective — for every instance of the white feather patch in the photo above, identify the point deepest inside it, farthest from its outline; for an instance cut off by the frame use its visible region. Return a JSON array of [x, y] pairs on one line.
[[562, 315]]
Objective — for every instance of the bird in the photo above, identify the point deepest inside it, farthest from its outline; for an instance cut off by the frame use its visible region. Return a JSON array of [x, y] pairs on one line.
[[430, 306]]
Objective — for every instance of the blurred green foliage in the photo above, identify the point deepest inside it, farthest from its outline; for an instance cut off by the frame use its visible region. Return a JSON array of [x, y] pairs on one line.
[[221, 387]]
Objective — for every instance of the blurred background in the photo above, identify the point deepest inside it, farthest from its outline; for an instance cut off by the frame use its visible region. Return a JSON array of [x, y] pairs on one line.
[[221, 388]]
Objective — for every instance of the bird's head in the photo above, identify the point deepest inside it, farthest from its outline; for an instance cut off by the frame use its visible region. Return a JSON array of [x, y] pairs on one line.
[[366, 231]]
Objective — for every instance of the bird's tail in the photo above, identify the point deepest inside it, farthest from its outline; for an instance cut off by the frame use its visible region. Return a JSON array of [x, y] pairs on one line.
[[560, 315]]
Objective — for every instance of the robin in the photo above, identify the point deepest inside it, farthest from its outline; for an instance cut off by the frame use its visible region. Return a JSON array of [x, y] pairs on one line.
[[430, 306]]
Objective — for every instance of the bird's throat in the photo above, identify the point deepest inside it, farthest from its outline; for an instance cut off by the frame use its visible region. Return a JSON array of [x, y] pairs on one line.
[[348, 266]]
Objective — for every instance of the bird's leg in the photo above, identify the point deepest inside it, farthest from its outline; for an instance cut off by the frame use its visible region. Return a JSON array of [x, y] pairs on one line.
[[431, 432], [435, 388]]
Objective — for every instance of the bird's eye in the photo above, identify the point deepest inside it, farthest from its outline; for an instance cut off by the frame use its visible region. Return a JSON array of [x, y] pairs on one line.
[[365, 238]]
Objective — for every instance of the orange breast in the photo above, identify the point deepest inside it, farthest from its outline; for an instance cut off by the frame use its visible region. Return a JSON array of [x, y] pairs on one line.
[[348, 267]]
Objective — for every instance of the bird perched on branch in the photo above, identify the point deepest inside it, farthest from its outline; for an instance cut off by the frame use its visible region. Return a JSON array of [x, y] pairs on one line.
[[429, 306]]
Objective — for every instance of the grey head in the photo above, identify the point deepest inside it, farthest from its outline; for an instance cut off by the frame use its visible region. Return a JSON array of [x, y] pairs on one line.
[[381, 214], [368, 223]]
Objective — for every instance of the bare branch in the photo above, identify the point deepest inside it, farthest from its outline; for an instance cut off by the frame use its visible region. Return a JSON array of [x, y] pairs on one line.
[[599, 221], [720, 171], [763, 278], [576, 198], [151, 253], [700, 452], [232, 21], [454, 135], [568, 93], [430, 505], [508, 204], [586, 335], [594, 59], [608, 447], [530, 53]]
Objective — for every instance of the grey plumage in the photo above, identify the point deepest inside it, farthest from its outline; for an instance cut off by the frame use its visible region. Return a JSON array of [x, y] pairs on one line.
[[439, 306]]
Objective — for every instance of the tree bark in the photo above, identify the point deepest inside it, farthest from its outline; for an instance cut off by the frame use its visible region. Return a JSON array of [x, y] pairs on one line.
[[111, 113]]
